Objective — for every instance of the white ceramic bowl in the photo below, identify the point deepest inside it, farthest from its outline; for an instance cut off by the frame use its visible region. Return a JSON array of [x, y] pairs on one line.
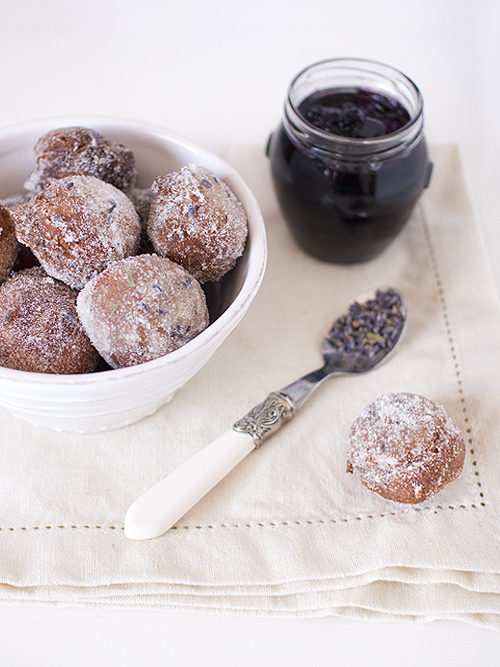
[[111, 399]]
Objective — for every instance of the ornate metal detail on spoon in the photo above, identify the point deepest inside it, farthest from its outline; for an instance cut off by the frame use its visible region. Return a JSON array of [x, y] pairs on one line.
[[266, 417]]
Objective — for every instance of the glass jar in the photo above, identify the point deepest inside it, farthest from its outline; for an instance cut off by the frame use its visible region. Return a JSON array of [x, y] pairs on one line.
[[346, 196]]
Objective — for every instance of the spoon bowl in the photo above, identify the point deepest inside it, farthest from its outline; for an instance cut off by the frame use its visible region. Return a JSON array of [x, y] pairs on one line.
[[363, 336]]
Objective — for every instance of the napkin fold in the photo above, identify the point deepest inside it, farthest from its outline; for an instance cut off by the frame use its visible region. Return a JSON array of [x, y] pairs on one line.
[[288, 532]]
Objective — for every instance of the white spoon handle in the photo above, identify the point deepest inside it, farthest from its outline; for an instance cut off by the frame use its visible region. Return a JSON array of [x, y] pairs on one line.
[[159, 508]]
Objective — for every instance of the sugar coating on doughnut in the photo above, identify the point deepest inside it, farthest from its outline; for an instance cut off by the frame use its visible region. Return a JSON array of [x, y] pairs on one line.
[[24, 258], [197, 221], [79, 150], [141, 308], [405, 447], [39, 327], [77, 226], [142, 198], [8, 243]]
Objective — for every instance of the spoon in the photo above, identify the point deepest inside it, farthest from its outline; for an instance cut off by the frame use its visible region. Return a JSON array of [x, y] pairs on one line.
[[363, 336]]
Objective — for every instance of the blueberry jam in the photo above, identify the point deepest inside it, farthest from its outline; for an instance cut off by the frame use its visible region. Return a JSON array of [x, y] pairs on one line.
[[348, 190], [360, 114]]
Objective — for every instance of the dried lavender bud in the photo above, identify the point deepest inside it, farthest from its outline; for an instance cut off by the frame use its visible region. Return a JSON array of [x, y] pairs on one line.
[[370, 327], [71, 318]]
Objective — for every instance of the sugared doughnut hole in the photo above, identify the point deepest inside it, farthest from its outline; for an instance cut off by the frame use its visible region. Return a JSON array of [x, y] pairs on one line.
[[39, 327], [142, 308]]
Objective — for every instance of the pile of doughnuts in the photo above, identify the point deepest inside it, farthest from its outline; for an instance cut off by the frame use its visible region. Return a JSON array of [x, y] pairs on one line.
[[97, 273]]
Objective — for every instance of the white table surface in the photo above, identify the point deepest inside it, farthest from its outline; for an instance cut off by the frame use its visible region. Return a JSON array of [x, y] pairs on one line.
[[217, 72]]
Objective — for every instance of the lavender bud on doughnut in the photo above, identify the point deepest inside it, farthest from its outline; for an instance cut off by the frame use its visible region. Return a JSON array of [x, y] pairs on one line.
[[196, 221], [141, 308], [405, 447]]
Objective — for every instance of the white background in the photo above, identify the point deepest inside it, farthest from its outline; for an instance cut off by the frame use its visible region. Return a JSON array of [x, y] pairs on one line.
[[217, 71]]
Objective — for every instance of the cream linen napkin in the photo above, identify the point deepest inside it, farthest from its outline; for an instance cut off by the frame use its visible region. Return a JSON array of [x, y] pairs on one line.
[[288, 532]]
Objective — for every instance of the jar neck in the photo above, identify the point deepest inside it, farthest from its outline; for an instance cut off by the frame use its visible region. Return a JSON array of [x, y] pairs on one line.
[[352, 75]]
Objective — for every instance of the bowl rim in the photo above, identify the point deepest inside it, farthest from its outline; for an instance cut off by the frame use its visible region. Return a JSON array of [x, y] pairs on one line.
[[255, 269]]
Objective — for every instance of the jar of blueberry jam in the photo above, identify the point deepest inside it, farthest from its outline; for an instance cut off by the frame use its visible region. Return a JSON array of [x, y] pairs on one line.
[[349, 160]]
